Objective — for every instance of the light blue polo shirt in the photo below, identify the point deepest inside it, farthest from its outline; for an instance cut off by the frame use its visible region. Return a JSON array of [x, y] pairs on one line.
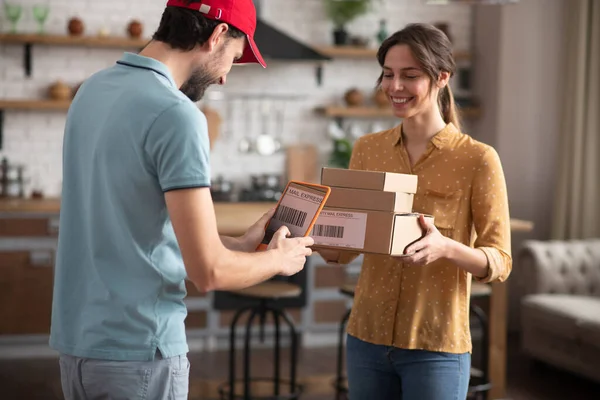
[[130, 136]]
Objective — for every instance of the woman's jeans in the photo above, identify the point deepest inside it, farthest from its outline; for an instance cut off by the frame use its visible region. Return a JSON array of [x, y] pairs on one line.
[[384, 372]]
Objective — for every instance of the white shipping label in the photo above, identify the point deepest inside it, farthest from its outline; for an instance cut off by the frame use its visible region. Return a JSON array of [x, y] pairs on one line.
[[339, 228], [296, 211]]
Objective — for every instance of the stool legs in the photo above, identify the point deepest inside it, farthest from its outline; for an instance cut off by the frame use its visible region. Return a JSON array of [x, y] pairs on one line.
[[236, 317], [278, 315], [293, 347], [276, 354], [247, 354], [482, 392], [340, 356]]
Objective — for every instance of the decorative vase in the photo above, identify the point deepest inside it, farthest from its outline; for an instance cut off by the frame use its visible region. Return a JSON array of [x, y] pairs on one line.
[[354, 98], [135, 29], [75, 27]]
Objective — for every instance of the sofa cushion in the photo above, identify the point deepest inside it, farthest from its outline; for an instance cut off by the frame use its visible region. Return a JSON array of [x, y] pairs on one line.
[[589, 329], [564, 314]]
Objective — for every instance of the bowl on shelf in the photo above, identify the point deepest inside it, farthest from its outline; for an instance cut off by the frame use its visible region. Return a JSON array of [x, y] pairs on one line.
[[60, 91]]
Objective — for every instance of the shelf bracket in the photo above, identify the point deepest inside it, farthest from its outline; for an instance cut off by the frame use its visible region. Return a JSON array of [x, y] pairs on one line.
[[27, 59], [319, 74], [1, 128]]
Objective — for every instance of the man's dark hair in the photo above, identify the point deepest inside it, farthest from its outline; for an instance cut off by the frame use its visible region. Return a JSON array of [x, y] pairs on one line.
[[184, 29]]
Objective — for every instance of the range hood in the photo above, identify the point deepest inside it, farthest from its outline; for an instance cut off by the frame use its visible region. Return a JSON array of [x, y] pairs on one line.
[[276, 45]]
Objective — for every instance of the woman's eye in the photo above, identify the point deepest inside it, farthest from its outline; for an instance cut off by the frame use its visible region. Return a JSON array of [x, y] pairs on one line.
[[411, 76], [388, 75]]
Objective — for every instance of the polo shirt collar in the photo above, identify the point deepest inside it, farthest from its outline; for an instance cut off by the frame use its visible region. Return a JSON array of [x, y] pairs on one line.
[[136, 60]]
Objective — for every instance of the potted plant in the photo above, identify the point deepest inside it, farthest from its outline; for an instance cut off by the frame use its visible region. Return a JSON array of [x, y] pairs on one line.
[[342, 147], [342, 12]]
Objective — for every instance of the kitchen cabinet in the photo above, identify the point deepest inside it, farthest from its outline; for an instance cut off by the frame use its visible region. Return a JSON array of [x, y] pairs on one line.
[[15, 227], [26, 291]]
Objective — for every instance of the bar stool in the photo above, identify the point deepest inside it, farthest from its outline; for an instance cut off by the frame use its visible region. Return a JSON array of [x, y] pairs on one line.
[[341, 388], [266, 294], [479, 384]]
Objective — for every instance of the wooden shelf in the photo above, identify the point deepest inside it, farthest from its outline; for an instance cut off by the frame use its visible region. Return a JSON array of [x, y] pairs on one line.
[[35, 105], [65, 40], [366, 52], [374, 112], [28, 40]]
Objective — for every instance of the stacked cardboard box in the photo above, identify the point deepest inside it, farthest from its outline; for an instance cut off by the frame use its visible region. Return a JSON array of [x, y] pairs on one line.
[[368, 212]]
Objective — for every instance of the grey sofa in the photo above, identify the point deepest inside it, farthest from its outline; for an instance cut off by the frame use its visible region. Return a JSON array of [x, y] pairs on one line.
[[560, 309]]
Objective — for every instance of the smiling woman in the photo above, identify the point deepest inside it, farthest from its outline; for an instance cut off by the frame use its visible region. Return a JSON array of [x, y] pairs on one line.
[[411, 71], [408, 333]]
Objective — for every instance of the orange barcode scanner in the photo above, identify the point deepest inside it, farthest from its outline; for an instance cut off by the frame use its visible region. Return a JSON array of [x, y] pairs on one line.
[[304, 186]]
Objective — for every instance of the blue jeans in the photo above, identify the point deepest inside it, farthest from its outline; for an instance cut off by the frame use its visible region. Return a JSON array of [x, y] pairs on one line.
[[384, 372]]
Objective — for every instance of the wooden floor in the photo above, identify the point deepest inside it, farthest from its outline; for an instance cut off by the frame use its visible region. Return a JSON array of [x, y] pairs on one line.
[[39, 379]]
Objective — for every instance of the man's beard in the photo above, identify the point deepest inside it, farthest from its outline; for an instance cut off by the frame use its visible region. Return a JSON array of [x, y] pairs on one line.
[[197, 83]]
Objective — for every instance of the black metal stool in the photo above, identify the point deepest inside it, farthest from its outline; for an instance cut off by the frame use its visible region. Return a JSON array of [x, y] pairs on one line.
[[479, 384], [265, 293], [341, 388]]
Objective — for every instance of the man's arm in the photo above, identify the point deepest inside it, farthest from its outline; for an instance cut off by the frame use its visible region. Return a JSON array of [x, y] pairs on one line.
[[232, 243], [209, 263]]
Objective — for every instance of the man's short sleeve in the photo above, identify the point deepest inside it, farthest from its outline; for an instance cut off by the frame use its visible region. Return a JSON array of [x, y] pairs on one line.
[[178, 148]]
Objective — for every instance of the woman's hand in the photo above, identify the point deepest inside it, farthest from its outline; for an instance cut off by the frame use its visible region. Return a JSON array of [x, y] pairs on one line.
[[433, 246]]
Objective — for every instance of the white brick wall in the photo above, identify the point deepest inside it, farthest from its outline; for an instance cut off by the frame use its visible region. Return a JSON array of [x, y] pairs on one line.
[[34, 138]]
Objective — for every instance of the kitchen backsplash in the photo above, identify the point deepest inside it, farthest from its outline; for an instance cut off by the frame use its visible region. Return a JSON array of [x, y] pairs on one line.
[[34, 138]]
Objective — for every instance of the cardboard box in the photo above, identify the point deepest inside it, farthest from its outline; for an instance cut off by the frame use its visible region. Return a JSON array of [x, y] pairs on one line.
[[365, 231], [369, 180], [375, 200]]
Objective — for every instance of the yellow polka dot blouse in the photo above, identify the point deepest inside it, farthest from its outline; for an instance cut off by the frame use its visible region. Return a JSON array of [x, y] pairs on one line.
[[461, 183]]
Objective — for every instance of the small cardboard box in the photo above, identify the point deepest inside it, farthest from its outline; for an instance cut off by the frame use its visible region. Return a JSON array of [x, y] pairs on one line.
[[375, 200], [370, 180], [366, 231]]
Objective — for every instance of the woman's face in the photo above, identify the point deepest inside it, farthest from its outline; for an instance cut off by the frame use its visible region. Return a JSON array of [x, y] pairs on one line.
[[406, 84]]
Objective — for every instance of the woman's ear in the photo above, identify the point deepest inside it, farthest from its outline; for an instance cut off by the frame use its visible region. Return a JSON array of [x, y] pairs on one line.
[[443, 79]]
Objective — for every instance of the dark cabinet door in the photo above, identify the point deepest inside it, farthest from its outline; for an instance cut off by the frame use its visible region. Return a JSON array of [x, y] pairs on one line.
[[26, 282]]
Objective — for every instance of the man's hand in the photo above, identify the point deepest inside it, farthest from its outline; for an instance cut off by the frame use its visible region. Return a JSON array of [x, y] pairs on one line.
[[428, 249], [293, 251], [255, 234]]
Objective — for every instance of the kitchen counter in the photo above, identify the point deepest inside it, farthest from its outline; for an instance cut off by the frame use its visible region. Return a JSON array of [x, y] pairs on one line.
[[232, 218]]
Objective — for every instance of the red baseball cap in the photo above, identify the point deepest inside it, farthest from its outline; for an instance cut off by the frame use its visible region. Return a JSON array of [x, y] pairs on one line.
[[239, 13]]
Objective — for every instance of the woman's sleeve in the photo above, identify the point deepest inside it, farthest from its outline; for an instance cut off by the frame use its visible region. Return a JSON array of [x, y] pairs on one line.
[[489, 207]]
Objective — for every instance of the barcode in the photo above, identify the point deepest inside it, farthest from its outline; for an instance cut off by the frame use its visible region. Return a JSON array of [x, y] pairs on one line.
[[291, 216], [332, 231]]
